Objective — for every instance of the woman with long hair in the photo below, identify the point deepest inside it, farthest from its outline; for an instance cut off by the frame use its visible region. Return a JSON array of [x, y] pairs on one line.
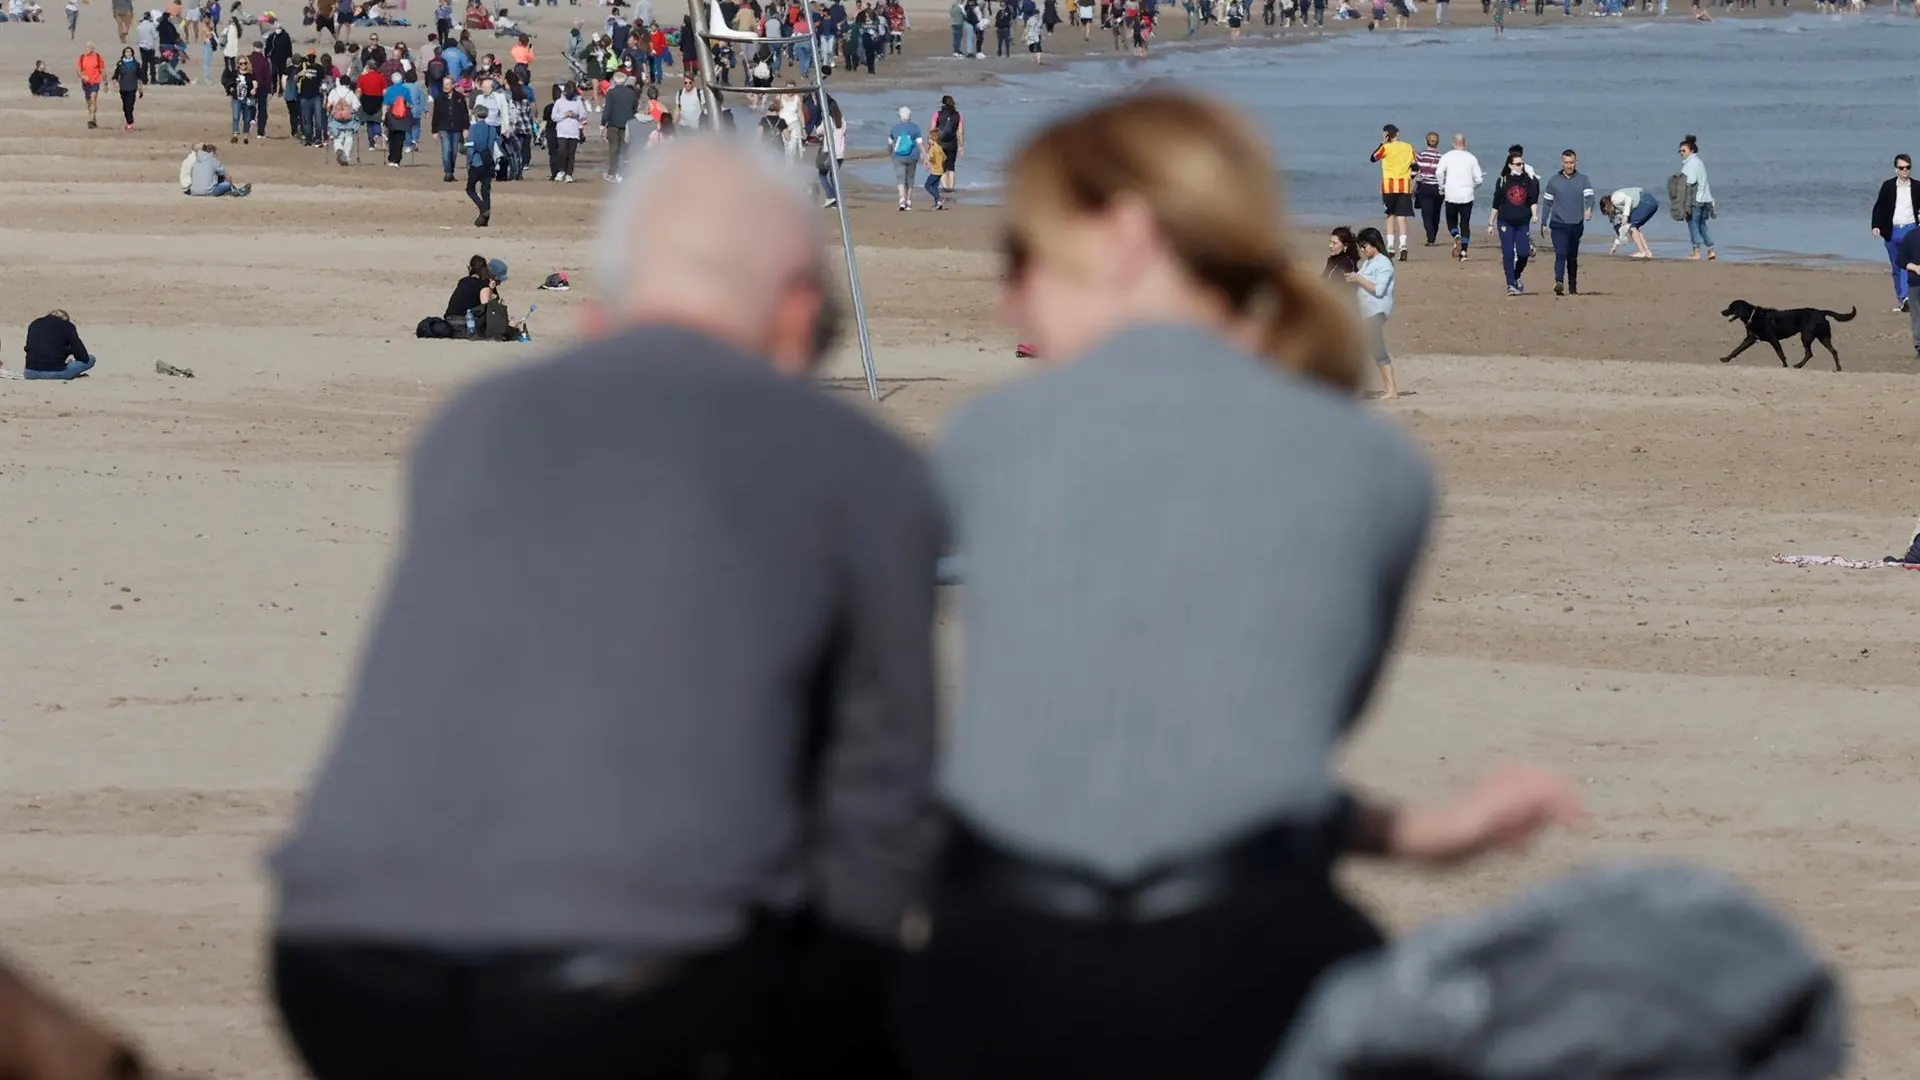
[[1343, 254], [128, 79], [1516, 206], [833, 141], [241, 84], [1372, 282], [950, 131], [1187, 550]]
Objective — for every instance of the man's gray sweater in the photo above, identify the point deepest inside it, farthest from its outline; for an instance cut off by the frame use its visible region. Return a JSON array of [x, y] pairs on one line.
[[1566, 200], [657, 650]]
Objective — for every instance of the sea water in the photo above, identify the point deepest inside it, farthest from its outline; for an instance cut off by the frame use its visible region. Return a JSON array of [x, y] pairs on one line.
[[1798, 117]]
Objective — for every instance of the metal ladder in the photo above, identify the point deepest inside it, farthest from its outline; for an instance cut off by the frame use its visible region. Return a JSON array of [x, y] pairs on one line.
[[709, 26]]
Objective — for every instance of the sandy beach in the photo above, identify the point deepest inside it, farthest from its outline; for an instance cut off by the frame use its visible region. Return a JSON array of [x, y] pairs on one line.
[[191, 563]]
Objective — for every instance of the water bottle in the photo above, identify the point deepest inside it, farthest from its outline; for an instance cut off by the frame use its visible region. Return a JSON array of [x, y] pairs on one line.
[[469, 324]]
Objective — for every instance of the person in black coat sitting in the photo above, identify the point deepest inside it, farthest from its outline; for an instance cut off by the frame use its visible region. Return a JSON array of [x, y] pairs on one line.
[[44, 83], [54, 348]]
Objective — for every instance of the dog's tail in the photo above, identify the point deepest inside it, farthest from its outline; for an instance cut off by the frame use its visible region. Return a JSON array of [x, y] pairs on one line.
[[1837, 317]]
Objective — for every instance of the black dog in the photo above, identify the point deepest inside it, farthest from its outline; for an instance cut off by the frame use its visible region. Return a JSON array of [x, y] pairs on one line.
[[1774, 325]]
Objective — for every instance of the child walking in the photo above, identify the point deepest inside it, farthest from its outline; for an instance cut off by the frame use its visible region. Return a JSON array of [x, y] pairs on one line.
[[936, 163]]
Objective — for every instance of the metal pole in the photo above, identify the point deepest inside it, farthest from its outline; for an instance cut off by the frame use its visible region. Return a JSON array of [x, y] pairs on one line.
[[846, 229], [702, 31]]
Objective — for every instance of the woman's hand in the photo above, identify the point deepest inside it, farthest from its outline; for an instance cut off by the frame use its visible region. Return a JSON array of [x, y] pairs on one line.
[[1503, 809]]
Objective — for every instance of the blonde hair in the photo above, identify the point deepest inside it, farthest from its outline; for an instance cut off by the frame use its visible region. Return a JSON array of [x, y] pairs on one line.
[[1210, 185]]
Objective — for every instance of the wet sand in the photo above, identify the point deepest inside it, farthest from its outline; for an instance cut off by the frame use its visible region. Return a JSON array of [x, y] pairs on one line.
[[191, 563]]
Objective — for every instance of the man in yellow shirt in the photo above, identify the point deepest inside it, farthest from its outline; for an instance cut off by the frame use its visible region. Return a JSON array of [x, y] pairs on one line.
[[1396, 188]]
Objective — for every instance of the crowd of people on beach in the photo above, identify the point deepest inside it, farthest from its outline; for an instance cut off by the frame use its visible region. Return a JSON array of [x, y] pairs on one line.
[[729, 838], [1443, 188]]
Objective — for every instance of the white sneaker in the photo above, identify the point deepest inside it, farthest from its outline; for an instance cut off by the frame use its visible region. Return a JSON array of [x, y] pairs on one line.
[[830, 204], [566, 178], [979, 56]]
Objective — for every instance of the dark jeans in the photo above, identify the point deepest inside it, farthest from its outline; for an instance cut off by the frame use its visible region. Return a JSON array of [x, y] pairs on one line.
[[1011, 994], [449, 151], [313, 120], [565, 151], [149, 59], [260, 114], [1002, 42], [1566, 253], [1427, 198], [480, 187], [1460, 222], [396, 144], [126, 104], [1893, 256], [1515, 248], [787, 1003]]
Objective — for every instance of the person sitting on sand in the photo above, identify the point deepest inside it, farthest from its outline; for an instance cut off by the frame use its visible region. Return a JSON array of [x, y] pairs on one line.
[[1912, 557], [477, 298], [44, 83], [474, 290], [54, 349], [209, 177], [169, 72]]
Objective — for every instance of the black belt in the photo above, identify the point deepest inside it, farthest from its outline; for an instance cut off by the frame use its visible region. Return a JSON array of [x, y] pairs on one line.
[[1296, 852]]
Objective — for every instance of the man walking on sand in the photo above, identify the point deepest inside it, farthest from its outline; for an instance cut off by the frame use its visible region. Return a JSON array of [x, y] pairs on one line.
[[1396, 188], [1907, 255], [483, 156], [1426, 187], [621, 105], [681, 844], [1893, 219], [93, 71], [1460, 179], [1566, 205], [123, 18]]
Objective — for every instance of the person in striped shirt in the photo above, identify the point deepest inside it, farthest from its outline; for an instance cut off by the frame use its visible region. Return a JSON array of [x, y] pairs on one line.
[[1426, 187], [1396, 188]]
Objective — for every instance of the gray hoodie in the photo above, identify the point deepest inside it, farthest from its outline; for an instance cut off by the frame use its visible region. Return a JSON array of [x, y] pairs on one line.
[[1566, 200], [207, 171]]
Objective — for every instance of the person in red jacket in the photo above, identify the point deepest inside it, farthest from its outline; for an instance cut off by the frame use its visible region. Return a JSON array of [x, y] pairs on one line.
[[372, 87]]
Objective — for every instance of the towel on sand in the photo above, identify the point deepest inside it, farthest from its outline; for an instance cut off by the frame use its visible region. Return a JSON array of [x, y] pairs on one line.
[[1652, 971], [1829, 560]]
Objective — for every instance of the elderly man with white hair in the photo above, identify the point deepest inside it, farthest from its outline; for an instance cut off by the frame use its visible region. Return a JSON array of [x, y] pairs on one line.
[[904, 143], [634, 777]]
